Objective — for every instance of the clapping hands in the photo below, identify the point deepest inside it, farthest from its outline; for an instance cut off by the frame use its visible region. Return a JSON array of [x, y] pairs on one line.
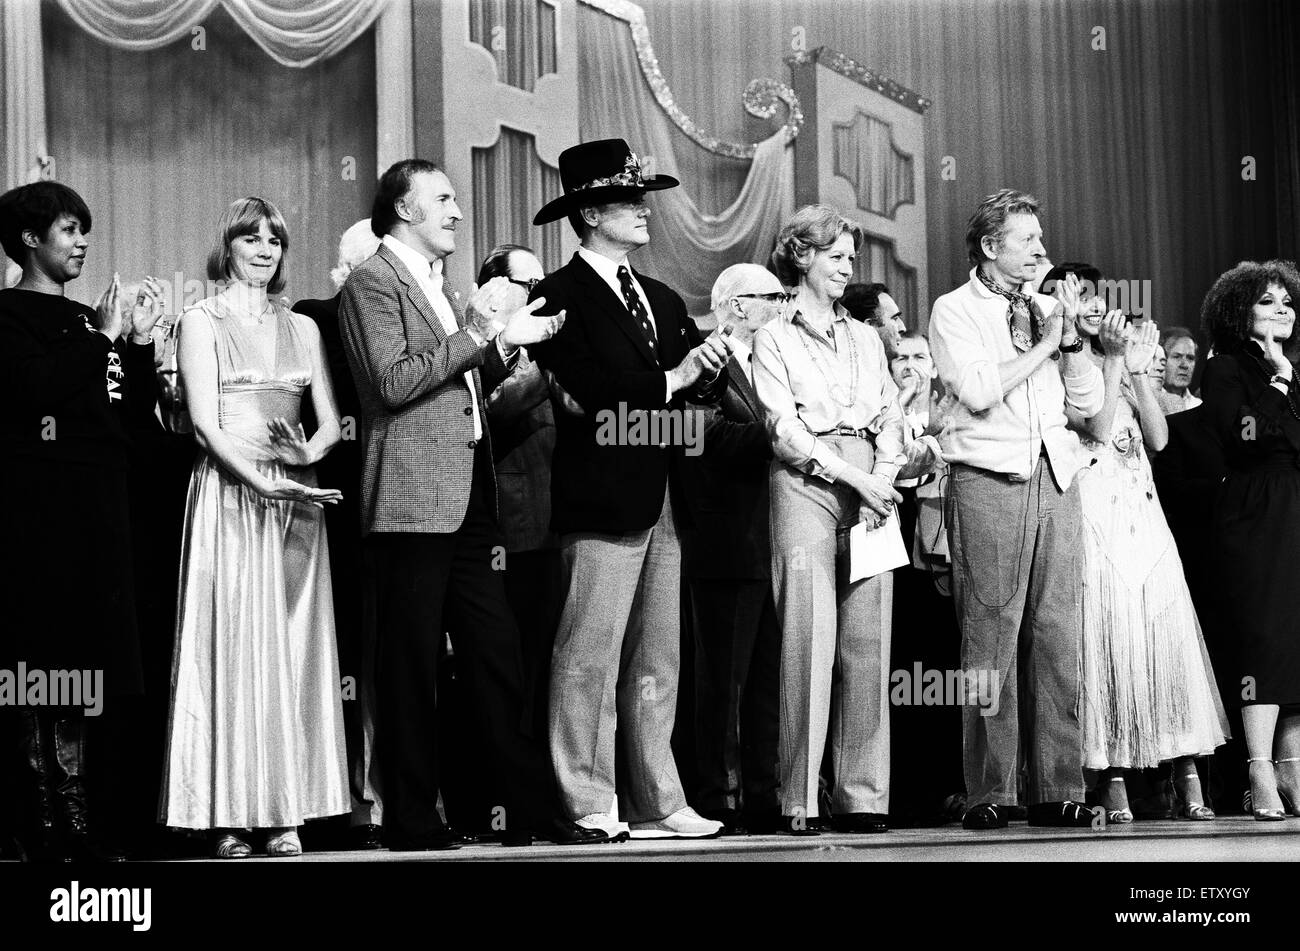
[[289, 491], [1135, 345], [1141, 347], [145, 311], [499, 307], [108, 310], [490, 304], [289, 443]]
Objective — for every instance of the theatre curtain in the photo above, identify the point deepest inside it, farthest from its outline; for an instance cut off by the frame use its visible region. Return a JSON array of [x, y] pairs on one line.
[[689, 244], [292, 32], [160, 142], [1134, 139]]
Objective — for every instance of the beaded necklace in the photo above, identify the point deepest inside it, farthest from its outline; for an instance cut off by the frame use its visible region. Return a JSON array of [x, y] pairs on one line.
[[834, 387]]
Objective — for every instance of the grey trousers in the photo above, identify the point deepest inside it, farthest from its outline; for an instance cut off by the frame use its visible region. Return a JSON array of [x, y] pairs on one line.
[[1016, 552], [834, 647], [616, 658]]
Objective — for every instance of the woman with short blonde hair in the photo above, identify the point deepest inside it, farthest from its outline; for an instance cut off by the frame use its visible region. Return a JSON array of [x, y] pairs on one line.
[[256, 726], [837, 436]]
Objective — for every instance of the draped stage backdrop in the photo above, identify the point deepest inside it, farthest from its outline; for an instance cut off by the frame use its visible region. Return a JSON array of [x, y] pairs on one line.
[[1136, 150], [159, 148]]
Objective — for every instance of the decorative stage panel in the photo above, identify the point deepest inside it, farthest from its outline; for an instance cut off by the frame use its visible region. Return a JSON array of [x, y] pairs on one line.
[[864, 153], [507, 73]]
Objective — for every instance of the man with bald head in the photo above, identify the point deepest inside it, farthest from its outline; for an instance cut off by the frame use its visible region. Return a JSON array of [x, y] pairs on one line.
[[728, 573]]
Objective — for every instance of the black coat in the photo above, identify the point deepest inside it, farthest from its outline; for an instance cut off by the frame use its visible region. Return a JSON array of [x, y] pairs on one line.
[[602, 359], [66, 438], [341, 467], [727, 489]]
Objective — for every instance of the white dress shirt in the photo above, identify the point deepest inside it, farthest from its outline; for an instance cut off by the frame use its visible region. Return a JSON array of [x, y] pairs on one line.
[[969, 337], [429, 276]]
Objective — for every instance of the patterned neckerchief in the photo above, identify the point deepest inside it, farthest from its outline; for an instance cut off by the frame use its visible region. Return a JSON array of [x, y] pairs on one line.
[[1020, 313]]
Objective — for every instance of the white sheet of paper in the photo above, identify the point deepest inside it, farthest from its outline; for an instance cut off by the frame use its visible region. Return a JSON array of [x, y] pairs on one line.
[[875, 552]]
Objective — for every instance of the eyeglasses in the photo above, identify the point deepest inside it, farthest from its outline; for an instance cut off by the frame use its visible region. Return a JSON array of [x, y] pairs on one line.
[[775, 297], [526, 285]]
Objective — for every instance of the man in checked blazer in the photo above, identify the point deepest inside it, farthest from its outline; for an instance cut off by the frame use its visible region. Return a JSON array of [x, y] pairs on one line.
[[423, 367], [628, 354]]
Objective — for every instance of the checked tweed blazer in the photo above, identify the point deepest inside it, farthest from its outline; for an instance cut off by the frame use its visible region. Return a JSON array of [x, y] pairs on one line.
[[417, 426]]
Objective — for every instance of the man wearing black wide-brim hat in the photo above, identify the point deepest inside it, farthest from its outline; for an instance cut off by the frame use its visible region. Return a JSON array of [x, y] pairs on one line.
[[629, 356]]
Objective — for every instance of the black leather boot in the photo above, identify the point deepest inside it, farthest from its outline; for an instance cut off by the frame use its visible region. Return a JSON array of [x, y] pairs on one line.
[[40, 833], [71, 797]]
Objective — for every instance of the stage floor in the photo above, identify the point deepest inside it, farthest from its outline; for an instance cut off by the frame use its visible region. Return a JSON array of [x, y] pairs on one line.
[[1230, 838]]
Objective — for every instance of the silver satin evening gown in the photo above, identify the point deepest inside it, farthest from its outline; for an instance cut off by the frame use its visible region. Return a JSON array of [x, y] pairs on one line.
[[255, 737]]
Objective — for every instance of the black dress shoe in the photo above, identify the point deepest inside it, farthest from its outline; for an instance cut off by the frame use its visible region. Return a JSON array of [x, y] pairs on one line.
[[987, 815], [762, 823], [798, 825], [732, 824], [81, 847], [564, 832], [365, 838], [1067, 815], [443, 841], [860, 822]]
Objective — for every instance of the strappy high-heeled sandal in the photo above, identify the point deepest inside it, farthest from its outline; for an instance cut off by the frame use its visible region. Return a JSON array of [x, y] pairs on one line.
[[1119, 816], [1290, 801], [1184, 807], [284, 844], [1261, 815], [230, 846]]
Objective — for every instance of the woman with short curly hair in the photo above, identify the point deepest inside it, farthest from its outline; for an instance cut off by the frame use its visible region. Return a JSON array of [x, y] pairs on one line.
[[1253, 408], [837, 434]]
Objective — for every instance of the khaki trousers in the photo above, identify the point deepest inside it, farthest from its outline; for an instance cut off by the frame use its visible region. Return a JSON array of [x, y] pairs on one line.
[[835, 644]]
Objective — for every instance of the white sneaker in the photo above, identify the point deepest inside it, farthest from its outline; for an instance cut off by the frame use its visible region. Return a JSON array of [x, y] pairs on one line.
[[617, 831], [685, 823]]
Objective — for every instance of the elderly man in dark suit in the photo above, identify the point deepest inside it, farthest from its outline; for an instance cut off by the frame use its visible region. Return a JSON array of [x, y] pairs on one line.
[[627, 354], [728, 562], [428, 506]]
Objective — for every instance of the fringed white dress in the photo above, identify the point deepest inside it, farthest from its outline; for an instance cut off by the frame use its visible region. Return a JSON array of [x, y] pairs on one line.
[[1148, 689]]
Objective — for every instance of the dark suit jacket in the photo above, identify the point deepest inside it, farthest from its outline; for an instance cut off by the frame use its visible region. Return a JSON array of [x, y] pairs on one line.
[[523, 438], [601, 358], [1187, 473], [417, 425], [341, 467], [727, 489]]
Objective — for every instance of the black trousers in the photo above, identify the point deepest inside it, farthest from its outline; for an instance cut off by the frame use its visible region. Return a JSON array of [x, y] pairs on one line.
[[535, 588], [925, 741], [737, 695], [426, 584]]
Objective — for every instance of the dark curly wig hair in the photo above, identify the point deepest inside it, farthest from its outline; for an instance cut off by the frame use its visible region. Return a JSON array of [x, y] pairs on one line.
[[1225, 314]]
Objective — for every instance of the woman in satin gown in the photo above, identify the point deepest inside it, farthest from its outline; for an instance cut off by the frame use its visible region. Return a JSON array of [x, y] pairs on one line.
[[256, 727]]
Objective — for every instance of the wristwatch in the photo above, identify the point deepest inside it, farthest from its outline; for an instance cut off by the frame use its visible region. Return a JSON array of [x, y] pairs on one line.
[[1073, 347]]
